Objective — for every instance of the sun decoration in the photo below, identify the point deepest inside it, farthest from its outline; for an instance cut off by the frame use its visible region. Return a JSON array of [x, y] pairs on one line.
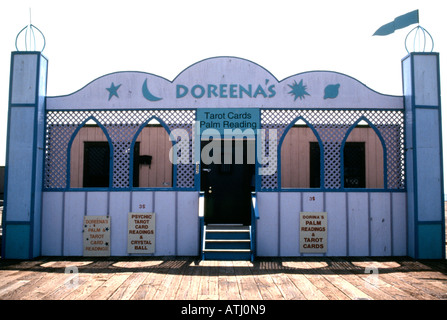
[[298, 90]]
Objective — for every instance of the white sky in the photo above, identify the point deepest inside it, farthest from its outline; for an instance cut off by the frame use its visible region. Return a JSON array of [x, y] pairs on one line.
[[87, 39]]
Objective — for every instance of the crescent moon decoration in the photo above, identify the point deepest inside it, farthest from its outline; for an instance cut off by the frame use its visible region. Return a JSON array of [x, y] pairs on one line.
[[147, 94]]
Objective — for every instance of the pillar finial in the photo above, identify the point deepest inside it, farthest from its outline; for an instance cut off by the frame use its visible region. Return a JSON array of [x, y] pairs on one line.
[[419, 40], [29, 33]]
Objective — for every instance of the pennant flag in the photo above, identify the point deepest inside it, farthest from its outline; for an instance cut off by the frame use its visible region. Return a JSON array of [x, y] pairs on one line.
[[398, 23]]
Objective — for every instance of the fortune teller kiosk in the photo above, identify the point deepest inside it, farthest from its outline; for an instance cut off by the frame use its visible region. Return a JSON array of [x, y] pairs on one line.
[[224, 162]]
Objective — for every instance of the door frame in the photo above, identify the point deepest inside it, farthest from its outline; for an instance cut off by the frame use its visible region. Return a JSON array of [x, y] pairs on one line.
[[251, 161]]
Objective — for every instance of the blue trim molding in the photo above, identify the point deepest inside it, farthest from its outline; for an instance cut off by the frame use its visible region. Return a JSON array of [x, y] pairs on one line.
[[424, 174], [70, 143], [201, 88], [25, 151], [342, 154]]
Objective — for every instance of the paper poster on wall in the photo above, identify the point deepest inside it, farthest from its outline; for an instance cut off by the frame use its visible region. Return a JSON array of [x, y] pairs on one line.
[[96, 234], [313, 232], [141, 233]]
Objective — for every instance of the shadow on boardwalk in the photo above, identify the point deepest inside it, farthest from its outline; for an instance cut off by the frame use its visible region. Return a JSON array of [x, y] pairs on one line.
[[188, 278], [180, 265]]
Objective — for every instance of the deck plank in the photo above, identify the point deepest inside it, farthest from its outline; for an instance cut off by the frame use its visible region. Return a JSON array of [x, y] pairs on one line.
[[342, 278], [330, 291], [366, 281], [169, 284], [104, 291], [149, 287], [209, 281], [298, 276], [228, 285], [381, 275], [146, 289], [31, 280], [167, 278], [246, 282], [267, 287], [418, 277], [129, 286], [89, 283], [190, 282], [284, 284]]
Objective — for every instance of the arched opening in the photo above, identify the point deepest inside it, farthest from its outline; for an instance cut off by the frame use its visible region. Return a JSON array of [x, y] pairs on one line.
[[300, 157], [90, 157], [150, 162], [363, 158]]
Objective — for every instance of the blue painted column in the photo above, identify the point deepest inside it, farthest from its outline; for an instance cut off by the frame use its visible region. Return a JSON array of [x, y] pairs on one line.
[[24, 156], [424, 163]]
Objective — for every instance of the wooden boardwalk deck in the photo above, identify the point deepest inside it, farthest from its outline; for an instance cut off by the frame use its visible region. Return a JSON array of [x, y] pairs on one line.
[[185, 278]]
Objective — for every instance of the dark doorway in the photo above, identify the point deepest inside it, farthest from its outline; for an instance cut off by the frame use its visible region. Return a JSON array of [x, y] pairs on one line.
[[228, 180], [314, 165], [354, 165], [96, 164]]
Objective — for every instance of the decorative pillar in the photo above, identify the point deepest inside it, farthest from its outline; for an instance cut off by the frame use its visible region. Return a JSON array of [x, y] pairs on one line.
[[424, 163], [24, 156]]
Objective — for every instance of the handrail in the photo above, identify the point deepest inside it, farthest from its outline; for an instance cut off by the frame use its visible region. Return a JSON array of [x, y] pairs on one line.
[[254, 217], [254, 205], [201, 204], [202, 222]]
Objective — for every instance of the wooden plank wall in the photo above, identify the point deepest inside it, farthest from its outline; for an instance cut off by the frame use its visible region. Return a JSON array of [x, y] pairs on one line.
[[154, 141], [359, 223], [177, 220], [295, 156]]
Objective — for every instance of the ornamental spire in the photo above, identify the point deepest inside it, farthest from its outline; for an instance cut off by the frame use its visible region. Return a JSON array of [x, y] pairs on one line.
[[29, 33]]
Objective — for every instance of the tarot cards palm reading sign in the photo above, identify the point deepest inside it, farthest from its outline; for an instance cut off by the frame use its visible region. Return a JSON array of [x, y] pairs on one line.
[[141, 233], [313, 232]]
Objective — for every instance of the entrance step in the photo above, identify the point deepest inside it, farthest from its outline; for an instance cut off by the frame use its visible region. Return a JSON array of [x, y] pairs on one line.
[[226, 242]]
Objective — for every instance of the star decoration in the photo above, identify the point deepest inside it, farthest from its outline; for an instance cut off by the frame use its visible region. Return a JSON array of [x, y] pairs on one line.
[[113, 90], [298, 90]]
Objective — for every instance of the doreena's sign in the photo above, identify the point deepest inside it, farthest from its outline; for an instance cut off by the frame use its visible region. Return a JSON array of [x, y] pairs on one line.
[[313, 232], [224, 82], [224, 90], [96, 236]]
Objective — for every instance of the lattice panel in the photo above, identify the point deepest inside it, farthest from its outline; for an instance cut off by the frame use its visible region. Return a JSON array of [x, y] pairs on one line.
[[332, 127], [121, 127]]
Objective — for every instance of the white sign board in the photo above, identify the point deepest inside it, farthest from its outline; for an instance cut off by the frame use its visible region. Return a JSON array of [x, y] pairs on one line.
[[313, 232], [224, 82], [141, 233], [96, 234]]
